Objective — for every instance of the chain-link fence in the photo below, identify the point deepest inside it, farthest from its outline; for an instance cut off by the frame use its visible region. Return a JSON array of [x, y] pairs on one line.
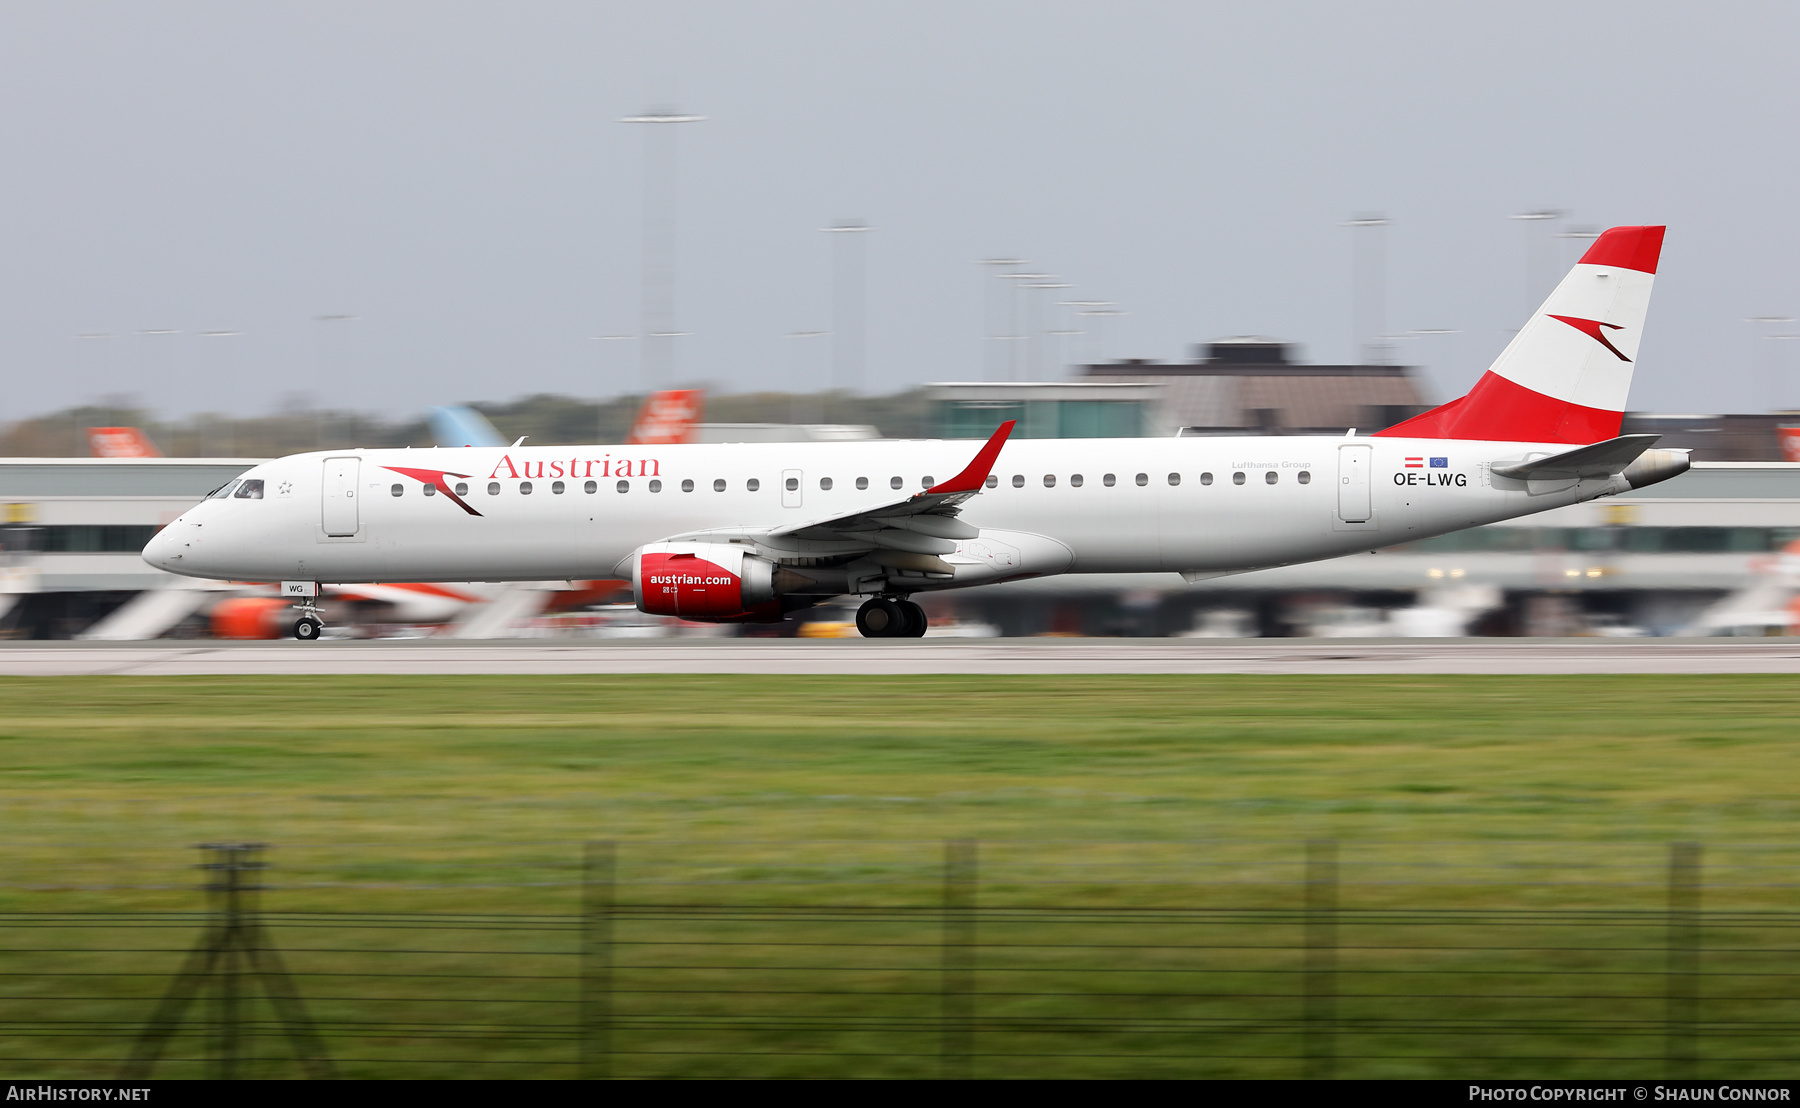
[[903, 960]]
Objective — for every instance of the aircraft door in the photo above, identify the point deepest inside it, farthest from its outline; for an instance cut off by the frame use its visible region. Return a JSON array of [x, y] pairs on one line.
[[338, 512], [1354, 464], [793, 484]]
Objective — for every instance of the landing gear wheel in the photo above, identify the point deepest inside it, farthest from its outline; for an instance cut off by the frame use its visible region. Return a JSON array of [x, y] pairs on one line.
[[307, 629], [881, 618], [914, 627]]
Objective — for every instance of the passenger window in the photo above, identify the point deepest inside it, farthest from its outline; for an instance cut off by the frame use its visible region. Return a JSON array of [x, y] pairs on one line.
[[926, 482], [224, 490], [1109, 480], [524, 488], [1206, 478], [462, 488], [430, 489], [793, 484], [993, 482], [396, 489], [1049, 480], [1304, 477], [1174, 478], [591, 486], [1143, 478], [1018, 480], [251, 489], [493, 488], [1271, 477], [896, 483], [753, 484], [719, 485], [556, 488], [825, 483], [1238, 477], [656, 486], [624, 486], [1075, 480], [862, 482], [687, 484]]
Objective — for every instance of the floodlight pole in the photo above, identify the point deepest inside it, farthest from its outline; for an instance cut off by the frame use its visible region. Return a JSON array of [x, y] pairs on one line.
[[993, 348], [1771, 371], [1040, 332], [849, 295], [657, 351], [1013, 360], [600, 394], [1536, 285], [800, 378], [1100, 310], [1369, 286]]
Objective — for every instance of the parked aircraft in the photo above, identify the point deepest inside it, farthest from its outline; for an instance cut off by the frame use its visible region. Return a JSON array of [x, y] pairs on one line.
[[120, 442], [749, 531]]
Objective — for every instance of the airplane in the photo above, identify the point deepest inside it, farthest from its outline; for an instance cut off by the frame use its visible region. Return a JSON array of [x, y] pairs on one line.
[[120, 442], [748, 532], [668, 416]]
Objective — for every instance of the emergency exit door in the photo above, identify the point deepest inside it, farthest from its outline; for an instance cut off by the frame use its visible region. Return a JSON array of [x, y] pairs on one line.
[[792, 491], [338, 512], [1354, 463]]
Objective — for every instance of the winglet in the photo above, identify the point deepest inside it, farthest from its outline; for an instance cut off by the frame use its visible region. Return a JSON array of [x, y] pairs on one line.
[[971, 478]]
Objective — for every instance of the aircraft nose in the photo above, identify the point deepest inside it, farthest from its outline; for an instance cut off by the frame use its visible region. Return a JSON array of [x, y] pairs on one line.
[[163, 550]]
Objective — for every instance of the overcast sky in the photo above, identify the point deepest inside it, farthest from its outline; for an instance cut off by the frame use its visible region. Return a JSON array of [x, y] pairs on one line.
[[452, 176]]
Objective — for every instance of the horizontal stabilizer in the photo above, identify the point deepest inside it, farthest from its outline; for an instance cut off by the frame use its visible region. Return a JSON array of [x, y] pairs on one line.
[[1602, 459]]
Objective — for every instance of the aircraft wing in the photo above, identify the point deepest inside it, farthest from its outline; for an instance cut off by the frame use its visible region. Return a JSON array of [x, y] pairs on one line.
[[922, 525]]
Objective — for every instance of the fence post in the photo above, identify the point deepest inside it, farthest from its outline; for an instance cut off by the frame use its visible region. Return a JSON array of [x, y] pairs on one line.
[[958, 977], [228, 889], [234, 938], [598, 870], [1320, 974], [1683, 974]]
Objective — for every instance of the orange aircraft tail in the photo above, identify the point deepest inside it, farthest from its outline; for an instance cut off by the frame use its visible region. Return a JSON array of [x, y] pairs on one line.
[[120, 442], [668, 416]]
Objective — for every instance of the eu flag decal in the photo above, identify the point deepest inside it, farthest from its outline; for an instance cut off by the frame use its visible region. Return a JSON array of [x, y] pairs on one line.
[[1440, 463]]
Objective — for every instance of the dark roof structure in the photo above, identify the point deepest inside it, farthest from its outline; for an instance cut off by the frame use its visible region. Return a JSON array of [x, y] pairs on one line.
[[1249, 385]]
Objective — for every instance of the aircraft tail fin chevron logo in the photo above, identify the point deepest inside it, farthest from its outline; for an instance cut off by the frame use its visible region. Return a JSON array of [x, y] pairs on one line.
[[1566, 375]]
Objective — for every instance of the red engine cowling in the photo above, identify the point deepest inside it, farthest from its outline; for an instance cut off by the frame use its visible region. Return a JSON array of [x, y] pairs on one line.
[[705, 581]]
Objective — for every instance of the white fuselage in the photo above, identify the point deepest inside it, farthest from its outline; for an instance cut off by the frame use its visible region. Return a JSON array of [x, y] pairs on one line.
[[1189, 505]]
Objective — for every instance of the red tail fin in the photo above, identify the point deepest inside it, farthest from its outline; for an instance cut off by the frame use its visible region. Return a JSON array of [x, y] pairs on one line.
[[668, 416], [1565, 375]]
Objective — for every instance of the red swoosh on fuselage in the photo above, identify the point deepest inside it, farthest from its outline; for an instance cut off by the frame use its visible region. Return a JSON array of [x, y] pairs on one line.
[[436, 477]]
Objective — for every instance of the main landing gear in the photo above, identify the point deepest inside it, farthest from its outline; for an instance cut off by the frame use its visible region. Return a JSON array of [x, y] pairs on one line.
[[308, 627], [886, 618]]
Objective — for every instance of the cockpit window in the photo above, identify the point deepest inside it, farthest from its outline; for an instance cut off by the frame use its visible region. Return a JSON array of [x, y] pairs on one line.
[[251, 489], [224, 490]]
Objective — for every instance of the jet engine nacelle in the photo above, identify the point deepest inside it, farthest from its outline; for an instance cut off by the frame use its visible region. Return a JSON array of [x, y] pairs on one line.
[[709, 581]]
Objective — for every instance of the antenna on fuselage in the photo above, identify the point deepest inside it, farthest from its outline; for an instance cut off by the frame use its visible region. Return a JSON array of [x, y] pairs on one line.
[[521, 441]]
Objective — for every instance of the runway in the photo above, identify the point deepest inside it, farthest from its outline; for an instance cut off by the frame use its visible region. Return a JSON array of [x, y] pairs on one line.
[[963, 657]]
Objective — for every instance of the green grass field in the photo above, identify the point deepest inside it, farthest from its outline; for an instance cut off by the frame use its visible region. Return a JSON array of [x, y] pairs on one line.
[[473, 795], [349, 759]]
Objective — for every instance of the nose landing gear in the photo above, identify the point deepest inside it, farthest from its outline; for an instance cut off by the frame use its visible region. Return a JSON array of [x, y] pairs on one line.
[[890, 618]]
